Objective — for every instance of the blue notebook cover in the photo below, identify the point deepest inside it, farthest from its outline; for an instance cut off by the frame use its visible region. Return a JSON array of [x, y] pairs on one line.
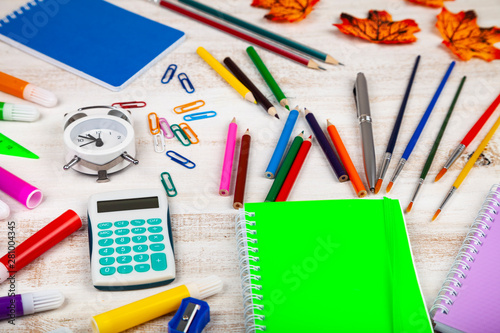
[[95, 39]]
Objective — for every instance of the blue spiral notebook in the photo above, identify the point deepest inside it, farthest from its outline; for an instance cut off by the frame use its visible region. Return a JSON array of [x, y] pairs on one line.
[[94, 39]]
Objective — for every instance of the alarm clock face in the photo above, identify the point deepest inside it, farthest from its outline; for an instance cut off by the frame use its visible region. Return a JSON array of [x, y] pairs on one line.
[[99, 134]]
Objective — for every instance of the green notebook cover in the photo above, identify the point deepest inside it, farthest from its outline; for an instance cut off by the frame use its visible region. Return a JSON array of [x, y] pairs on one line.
[[329, 266]]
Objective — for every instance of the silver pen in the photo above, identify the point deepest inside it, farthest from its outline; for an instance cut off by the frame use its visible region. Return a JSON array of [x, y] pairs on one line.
[[365, 122]]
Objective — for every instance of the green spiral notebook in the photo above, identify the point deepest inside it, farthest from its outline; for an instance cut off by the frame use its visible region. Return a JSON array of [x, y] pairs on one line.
[[329, 266]]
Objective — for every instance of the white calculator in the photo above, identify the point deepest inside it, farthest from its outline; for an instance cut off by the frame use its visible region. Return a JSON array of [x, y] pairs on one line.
[[130, 239]]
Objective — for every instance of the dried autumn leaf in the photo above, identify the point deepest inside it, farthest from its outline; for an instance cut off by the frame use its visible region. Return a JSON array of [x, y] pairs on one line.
[[430, 3], [379, 28], [465, 38], [286, 10], [263, 3]]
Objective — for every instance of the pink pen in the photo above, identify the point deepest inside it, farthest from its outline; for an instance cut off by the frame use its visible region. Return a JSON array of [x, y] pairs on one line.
[[20, 190], [227, 167]]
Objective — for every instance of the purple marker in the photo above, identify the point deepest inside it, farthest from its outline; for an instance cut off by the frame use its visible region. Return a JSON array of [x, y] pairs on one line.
[[29, 303]]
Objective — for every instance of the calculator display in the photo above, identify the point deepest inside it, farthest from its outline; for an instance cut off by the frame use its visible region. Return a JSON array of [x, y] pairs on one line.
[[127, 204]]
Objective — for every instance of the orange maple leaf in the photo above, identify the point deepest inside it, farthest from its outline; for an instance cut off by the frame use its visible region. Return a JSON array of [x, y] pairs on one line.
[[286, 10], [430, 3], [379, 28], [465, 38]]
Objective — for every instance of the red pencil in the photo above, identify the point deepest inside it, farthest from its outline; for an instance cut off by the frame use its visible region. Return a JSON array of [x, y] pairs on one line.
[[294, 170]]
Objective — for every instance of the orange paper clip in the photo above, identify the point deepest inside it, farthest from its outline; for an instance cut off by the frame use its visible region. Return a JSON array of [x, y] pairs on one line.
[[193, 138], [154, 123], [189, 106]]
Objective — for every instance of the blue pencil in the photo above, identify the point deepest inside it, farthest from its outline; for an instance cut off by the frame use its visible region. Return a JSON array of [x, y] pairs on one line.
[[279, 151], [416, 135]]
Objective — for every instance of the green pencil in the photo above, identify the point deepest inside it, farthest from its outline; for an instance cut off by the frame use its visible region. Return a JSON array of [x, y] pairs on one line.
[[435, 147], [285, 167], [271, 82]]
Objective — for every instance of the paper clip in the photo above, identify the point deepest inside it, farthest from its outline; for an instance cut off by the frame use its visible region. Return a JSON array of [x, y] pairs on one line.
[[180, 135], [130, 105], [200, 115], [188, 86], [194, 138], [168, 184], [165, 127], [170, 72], [189, 106], [159, 142], [182, 161], [154, 123]]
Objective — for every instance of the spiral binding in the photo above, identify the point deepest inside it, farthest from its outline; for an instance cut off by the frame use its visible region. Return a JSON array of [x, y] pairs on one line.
[[14, 15], [248, 264], [470, 249]]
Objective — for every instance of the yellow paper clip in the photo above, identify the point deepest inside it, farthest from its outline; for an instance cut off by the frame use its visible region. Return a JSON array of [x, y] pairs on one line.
[[189, 106], [154, 123], [193, 138]]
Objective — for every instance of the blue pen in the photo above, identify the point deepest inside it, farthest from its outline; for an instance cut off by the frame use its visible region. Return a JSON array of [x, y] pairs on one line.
[[279, 151], [416, 135]]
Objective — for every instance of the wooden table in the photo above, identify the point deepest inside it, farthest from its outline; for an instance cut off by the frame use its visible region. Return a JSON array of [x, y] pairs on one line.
[[203, 222]]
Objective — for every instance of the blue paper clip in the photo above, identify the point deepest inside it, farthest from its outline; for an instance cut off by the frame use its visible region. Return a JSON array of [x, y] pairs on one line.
[[192, 317], [168, 184], [180, 159], [188, 86], [170, 72], [200, 115]]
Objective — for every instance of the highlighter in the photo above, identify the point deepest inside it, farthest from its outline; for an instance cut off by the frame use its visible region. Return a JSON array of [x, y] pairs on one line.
[[14, 306], [146, 309], [25, 90], [39, 243], [20, 190]]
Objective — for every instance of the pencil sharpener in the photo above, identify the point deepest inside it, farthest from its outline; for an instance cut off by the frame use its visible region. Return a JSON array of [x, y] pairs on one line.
[[192, 317]]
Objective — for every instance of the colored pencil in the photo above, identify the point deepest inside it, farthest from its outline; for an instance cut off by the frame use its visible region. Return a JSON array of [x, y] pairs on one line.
[[326, 147], [416, 134], [395, 130], [285, 168], [268, 77], [226, 75], [262, 32], [435, 147], [241, 177], [470, 163], [469, 137], [241, 35], [227, 166], [287, 186], [359, 188], [261, 99], [279, 151]]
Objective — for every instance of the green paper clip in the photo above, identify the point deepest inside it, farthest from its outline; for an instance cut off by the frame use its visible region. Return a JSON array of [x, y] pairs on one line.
[[180, 135], [171, 191]]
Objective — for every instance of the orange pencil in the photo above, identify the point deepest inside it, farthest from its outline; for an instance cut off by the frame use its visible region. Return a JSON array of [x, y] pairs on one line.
[[346, 160]]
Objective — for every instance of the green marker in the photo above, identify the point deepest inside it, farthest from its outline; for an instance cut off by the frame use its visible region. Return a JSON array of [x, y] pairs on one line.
[[271, 82], [12, 148]]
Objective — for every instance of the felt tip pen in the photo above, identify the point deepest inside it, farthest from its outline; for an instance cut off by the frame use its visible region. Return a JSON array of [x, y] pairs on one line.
[[13, 306], [25, 90]]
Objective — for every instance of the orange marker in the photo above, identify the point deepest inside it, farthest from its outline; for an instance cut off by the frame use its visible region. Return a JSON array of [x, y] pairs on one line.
[[346, 161], [25, 90]]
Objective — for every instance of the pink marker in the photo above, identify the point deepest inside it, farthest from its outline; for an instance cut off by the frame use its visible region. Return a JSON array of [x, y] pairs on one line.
[[17, 188], [227, 167]]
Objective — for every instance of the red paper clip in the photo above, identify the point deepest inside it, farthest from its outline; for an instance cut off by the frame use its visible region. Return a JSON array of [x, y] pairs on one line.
[[130, 105]]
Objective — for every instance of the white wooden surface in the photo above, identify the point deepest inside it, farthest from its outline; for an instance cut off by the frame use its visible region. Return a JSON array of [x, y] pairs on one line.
[[202, 220]]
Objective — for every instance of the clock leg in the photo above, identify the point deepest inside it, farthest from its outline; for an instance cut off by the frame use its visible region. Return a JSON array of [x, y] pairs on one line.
[[73, 161], [102, 176]]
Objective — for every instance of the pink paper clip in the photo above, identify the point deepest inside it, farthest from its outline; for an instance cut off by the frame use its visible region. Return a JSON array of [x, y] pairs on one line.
[[165, 127], [130, 105]]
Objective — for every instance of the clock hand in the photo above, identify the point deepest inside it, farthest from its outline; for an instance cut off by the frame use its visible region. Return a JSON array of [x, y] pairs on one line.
[[88, 143], [99, 142]]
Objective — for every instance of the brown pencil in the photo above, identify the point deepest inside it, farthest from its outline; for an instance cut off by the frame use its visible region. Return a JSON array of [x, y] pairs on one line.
[[241, 178]]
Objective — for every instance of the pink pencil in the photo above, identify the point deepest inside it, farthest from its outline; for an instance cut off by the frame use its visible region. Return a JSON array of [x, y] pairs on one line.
[[227, 167]]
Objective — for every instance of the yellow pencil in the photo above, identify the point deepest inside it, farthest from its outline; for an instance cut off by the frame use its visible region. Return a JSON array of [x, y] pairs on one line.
[[226, 75], [468, 166]]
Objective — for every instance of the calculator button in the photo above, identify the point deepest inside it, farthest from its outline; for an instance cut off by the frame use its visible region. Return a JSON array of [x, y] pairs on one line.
[[125, 269], [105, 225], [140, 248], [138, 230], [154, 221], [156, 238], [141, 257], [141, 268], [123, 249], [155, 230], [105, 242], [157, 247], [122, 232], [124, 259], [121, 224], [107, 261], [159, 261], [108, 270], [137, 222], [107, 251], [139, 239], [106, 233], [123, 240]]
